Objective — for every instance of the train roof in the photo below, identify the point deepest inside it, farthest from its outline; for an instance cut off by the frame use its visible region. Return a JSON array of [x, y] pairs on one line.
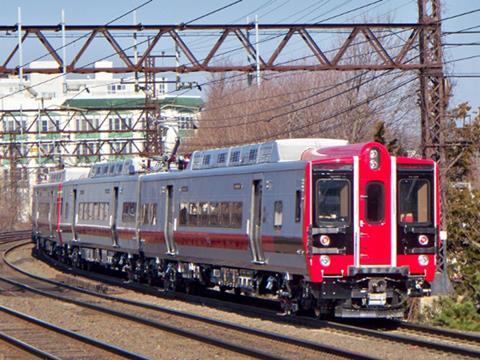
[[67, 174], [251, 154], [116, 168]]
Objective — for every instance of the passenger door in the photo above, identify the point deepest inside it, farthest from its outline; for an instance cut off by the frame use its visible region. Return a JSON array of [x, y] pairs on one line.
[[255, 222], [113, 219], [74, 214], [169, 220]]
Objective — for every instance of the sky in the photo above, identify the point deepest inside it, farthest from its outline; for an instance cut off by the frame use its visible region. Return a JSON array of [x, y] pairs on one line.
[[273, 11]]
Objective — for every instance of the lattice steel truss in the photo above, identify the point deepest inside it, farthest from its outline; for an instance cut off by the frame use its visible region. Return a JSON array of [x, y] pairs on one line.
[[196, 60]]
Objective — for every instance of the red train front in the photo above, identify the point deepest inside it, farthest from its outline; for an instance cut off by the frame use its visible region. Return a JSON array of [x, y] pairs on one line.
[[372, 235]]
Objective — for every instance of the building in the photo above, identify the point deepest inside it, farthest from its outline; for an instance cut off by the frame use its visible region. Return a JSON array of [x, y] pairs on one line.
[[47, 120]]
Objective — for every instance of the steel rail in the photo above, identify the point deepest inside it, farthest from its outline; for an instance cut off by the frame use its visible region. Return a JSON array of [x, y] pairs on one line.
[[441, 332], [85, 339], [152, 323], [227, 325], [26, 347], [315, 323], [7, 236], [443, 347]]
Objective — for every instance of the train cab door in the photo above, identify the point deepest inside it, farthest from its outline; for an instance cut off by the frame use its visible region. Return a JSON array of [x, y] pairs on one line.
[[74, 215], [255, 222], [374, 218], [169, 220], [113, 216]]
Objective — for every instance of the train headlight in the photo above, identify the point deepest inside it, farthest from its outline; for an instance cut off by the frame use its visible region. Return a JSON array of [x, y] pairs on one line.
[[325, 260], [325, 240], [423, 240], [423, 260], [374, 159]]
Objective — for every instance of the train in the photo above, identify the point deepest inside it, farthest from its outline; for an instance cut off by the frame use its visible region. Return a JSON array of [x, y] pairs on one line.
[[321, 225]]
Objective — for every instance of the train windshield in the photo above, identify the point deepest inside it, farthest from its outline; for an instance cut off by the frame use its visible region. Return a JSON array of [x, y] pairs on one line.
[[414, 201], [333, 202]]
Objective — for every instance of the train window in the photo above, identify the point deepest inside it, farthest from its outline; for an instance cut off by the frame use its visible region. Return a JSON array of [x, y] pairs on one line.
[[106, 210], [128, 213], [192, 214], [375, 202], [206, 160], [414, 200], [252, 155], [221, 158], [298, 205], [66, 210], [144, 214], [214, 219], [153, 214], [235, 156], [333, 201], [225, 214], [90, 211], [101, 211], [96, 213], [203, 210], [182, 218], [81, 211], [236, 211], [148, 214], [277, 215]]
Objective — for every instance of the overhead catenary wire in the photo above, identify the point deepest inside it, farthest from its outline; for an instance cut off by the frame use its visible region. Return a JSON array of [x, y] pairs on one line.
[[321, 120], [87, 34], [270, 118]]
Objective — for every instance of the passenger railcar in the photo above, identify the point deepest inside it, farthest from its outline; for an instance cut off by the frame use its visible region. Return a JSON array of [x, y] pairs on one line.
[[321, 224]]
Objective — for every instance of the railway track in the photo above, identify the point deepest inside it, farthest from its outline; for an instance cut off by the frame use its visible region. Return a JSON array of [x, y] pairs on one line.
[[241, 339], [49, 341], [441, 340], [9, 236]]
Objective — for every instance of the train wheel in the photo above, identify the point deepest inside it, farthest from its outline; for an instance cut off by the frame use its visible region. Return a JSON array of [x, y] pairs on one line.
[[190, 287]]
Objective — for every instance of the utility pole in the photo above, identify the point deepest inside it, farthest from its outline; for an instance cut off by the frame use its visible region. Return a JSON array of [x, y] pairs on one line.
[[433, 104]]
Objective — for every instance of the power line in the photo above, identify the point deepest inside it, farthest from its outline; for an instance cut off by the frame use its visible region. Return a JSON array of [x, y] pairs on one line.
[[356, 105], [352, 10], [460, 15], [85, 35], [213, 12], [270, 118]]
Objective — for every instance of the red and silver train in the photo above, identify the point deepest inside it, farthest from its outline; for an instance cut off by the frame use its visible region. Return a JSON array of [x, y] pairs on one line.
[[323, 225]]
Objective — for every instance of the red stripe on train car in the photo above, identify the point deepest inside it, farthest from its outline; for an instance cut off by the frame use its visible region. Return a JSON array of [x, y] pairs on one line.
[[210, 240]]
